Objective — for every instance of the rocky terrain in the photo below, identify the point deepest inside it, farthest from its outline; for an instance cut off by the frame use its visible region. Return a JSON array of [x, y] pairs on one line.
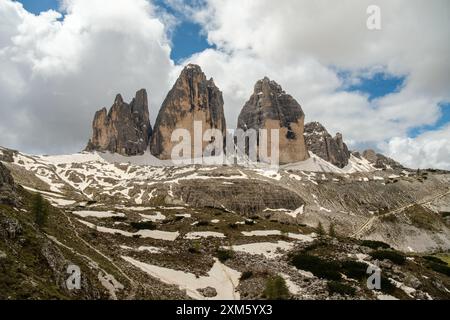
[[224, 232], [270, 107], [140, 227], [321, 143]]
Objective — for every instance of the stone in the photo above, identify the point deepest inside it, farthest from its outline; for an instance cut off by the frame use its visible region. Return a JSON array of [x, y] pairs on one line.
[[8, 193], [192, 98], [270, 107], [208, 292], [125, 129], [380, 161], [322, 144]]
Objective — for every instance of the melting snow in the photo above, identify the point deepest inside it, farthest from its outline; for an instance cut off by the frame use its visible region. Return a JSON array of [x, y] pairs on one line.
[[262, 233], [154, 234], [154, 218], [204, 234], [98, 214], [220, 277], [270, 250]]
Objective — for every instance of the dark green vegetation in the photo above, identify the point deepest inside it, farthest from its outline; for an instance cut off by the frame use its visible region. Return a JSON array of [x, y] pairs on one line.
[[31, 265], [40, 210], [340, 288], [319, 267], [394, 256], [276, 289], [246, 275], [143, 225], [375, 244], [224, 255]]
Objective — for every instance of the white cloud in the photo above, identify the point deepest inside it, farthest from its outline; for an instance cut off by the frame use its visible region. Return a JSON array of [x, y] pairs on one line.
[[428, 150], [56, 72], [302, 45]]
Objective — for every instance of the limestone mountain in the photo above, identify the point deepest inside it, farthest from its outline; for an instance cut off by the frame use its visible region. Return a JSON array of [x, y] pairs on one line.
[[125, 129], [380, 161], [270, 107], [192, 98], [322, 144]]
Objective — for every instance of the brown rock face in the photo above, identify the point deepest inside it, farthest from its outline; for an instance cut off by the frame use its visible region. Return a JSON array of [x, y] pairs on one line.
[[125, 129], [192, 98], [271, 108], [380, 161], [322, 144]]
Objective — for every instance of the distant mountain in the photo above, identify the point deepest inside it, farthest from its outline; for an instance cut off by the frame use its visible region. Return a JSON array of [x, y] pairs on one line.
[[321, 143]]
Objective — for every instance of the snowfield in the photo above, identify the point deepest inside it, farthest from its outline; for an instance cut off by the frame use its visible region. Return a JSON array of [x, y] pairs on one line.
[[222, 278], [270, 250]]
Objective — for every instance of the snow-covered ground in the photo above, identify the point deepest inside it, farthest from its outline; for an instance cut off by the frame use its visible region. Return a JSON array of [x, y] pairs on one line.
[[154, 234], [222, 278], [203, 234], [265, 233], [270, 250], [98, 214]]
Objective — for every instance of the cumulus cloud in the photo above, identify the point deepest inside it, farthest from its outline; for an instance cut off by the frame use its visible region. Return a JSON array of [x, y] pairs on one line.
[[304, 45], [428, 150], [57, 71]]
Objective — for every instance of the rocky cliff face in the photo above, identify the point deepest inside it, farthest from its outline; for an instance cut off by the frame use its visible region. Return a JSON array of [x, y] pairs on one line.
[[271, 108], [380, 161], [192, 98], [322, 144], [7, 187], [125, 129]]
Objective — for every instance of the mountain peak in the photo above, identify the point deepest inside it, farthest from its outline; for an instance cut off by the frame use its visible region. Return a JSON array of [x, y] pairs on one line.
[[125, 129]]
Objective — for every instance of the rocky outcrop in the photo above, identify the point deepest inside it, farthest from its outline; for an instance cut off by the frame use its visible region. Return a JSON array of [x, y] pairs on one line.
[[192, 98], [7, 187], [271, 108], [322, 144], [380, 161], [125, 129], [248, 197]]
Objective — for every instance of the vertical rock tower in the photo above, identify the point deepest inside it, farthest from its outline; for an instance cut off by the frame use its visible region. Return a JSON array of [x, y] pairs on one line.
[[322, 144], [192, 98], [271, 108], [125, 129]]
